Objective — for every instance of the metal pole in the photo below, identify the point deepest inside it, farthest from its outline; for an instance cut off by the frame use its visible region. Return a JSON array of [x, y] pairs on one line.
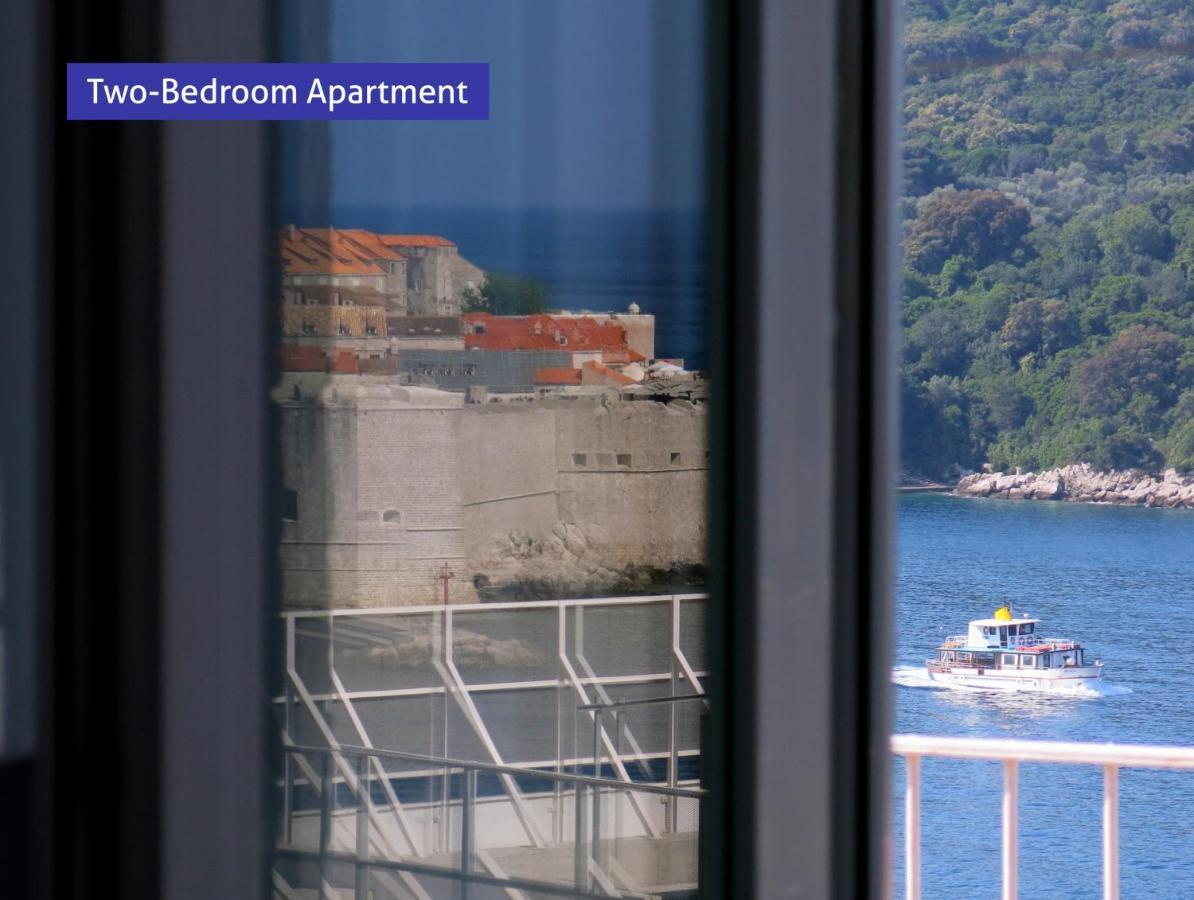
[[595, 838], [597, 714], [287, 765], [912, 827], [467, 820], [596, 792], [580, 855], [362, 882], [326, 787], [1010, 774], [1110, 833], [673, 757], [617, 796]]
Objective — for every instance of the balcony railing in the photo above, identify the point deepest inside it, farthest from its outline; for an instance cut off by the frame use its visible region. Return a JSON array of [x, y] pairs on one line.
[[1111, 757]]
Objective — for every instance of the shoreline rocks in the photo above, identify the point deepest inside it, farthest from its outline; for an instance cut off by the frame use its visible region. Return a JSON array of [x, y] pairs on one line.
[[1079, 483]]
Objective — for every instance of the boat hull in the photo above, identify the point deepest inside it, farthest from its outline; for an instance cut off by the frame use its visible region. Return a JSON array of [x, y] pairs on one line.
[[1017, 679]]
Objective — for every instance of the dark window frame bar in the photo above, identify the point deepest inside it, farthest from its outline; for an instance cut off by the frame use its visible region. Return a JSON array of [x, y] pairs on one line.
[[802, 241]]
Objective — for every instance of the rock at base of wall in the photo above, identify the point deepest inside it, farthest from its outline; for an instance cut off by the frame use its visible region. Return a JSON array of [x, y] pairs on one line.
[[1080, 483]]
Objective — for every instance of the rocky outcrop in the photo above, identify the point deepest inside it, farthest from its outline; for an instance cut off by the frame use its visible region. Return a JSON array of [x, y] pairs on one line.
[[574, 561], [1081, 484]]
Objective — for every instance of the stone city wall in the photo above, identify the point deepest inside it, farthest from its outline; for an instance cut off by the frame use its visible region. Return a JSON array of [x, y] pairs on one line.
[[393, 482]]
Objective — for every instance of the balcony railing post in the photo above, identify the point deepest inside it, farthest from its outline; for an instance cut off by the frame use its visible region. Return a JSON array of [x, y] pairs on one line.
[[1010, 777], [912, 827], [362, 874], [327, 787], [1110, 832], [580, 858], [468, 812]]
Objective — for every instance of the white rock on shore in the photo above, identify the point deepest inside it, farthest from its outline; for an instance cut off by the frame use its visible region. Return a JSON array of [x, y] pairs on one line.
[[1080, 484]]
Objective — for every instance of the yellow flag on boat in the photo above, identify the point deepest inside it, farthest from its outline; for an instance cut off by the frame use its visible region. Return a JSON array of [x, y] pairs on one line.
[[1003, 614]]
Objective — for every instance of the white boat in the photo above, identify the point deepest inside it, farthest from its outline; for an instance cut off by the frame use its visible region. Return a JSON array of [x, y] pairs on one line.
[[1007, 653]]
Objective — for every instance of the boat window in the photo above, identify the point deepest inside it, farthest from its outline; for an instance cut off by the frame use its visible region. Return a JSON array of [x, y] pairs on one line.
[[1027, 628], [1045, 660], [986, 660], [1009, 661], [1027, 661]]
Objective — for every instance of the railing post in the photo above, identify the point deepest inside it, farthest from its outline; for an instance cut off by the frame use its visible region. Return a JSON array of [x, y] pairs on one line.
[[1110, 832], [363, 798], [327, 785], [912, 827], [580, 857], [467, 828], [1010, 776]]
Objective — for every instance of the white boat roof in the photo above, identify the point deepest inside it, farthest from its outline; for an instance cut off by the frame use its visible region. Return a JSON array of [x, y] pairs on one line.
[[1002, 621]]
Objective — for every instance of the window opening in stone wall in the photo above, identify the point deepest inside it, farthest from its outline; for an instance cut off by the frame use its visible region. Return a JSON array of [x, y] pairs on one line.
[[290, 506]]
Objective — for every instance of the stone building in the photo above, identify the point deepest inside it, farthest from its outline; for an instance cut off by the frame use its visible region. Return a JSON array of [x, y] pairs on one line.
[[436, 274], [342, 258], [416, 274], [328, 328], [388, 483]]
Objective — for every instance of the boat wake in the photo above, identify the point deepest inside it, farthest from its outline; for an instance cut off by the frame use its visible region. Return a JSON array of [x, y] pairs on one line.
[[917, 677]]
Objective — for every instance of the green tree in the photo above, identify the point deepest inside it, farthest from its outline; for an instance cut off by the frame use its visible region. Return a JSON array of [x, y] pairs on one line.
[[506, 295], [1135, 374], [983, 226]]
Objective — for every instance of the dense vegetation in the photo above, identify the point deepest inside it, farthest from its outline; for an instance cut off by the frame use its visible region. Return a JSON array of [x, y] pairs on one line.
[[1048, 284], [506, 295]]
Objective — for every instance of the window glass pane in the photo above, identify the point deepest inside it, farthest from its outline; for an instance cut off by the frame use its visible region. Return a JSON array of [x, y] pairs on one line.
[[492, 405], [1047, 380]]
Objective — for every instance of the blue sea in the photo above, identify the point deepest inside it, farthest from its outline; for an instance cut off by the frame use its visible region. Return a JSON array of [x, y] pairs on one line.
[[1121, 580], [600, 260]]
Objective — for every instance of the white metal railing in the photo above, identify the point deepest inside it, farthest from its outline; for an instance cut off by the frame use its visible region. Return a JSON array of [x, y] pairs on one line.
[[1111, 757], [326, 706]]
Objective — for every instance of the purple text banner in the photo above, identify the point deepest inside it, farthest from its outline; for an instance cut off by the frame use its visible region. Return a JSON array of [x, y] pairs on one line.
[[277, 91]]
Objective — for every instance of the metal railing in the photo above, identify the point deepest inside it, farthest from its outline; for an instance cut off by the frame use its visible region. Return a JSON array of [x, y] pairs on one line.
[[1110, 757], [336, 827], [506, 690]]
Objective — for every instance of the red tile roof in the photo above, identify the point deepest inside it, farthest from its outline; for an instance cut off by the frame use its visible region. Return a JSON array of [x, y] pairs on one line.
[[622, 357], [416, 240], [609, 374], [557, 376], [333, 251], [296, 358], [541, 332]]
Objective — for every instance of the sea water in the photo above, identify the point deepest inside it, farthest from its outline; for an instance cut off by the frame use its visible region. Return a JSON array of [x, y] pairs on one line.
[[1121, 581], [599, 260]]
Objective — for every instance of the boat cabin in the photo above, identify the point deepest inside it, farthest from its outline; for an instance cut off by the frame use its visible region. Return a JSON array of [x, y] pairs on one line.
[[999, 632], [1005, 642]]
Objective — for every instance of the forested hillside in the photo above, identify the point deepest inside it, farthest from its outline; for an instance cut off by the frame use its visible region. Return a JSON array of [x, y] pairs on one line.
[[1048, 283]]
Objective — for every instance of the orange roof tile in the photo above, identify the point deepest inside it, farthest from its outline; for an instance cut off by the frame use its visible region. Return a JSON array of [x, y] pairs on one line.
[[557, 376], [331, 251], [621, 357], [416, 240], [610, 374], [541, 332]]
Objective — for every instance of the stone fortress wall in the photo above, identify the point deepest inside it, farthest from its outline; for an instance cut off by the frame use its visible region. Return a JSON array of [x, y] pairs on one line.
[[392, 482]]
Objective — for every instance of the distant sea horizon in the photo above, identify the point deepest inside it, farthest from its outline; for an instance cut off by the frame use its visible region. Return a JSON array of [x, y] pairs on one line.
[[600, 260]]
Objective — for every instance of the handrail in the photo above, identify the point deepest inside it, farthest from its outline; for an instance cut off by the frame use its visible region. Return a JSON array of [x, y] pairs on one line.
[[644, 701], [1143, 756], [445, 762], [521, 605], [1111, 757]]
